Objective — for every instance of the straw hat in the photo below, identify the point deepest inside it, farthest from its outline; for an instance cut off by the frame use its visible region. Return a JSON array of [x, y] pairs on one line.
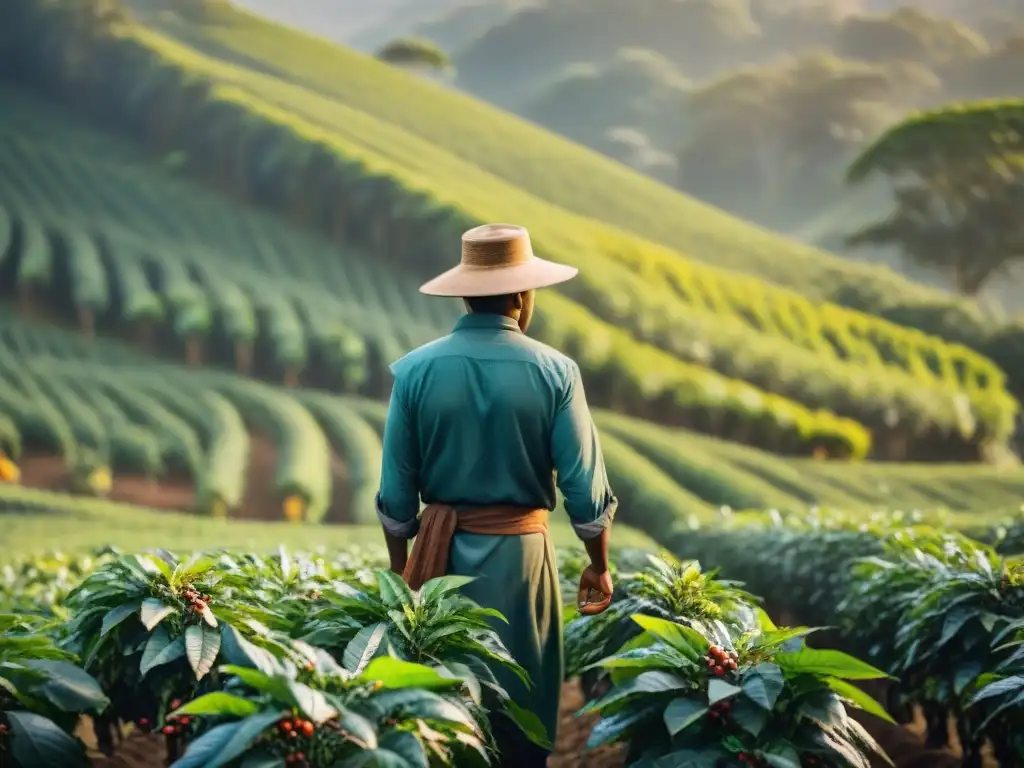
[[497, 259]]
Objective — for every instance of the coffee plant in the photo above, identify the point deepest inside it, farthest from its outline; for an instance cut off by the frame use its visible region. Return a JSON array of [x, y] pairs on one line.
[[42, 696]]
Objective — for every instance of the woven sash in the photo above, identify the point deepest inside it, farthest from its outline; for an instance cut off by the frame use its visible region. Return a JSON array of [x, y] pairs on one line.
[[439, 523]]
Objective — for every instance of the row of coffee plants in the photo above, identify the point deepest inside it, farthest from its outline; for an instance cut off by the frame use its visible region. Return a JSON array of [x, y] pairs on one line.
[[942, 613], [920, 398], [243, 660]]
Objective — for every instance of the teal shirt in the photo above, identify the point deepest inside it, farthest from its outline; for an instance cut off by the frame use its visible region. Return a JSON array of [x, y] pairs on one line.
[[489, 416]]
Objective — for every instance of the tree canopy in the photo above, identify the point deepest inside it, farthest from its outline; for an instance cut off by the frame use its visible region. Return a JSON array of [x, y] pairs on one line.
[[958, 181]]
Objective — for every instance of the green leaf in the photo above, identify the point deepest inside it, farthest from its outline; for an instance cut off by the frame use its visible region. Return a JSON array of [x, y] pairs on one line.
[[858, 698], [153, 611], [234, 741], [1010, 684], [368, 643], [208, 616], [530, 725], [205, 749], [644, 684], [421, 705], [160, 650], [763, 684], [37, 742], [263, 759], [660, 656], [775, 638], [396, 673], [375, 758], [719, 690], [394, 592], [68, 687], [816, 661], [202, 644], [312, 703], [156, 565], [239, 651], [750, 717], [406, 746], [218, 703], [116, 615], [682, 713], [782, 757], [711, 757], [687, 641], [437, 588], [612, 728]]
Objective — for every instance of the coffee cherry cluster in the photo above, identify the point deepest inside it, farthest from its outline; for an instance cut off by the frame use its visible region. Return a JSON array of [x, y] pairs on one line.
[[720, 661], [292, 729], [197, 601], [176, 725], [752, 760], [3, 730], [720, 710]]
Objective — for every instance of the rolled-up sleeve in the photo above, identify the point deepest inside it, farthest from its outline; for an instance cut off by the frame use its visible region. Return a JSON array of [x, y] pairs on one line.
[[398, 500], [579, 463]]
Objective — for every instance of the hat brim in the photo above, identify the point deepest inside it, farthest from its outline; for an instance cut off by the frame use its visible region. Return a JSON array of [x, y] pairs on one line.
[[469, 282]]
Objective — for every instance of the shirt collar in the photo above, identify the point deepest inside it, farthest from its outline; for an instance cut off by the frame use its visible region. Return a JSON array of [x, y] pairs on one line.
[[481, 320]]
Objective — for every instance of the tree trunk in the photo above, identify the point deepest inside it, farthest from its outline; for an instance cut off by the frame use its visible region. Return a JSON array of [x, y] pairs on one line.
[[291, 377], [379, 235], [194, 351], [25, 298], [87, 322], [144, 332], [243, 357]]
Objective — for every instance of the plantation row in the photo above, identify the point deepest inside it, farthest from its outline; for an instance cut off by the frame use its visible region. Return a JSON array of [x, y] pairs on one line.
[[271, 312], [918, 397], [461, 136], [938, 611], [150, 288], [242, 660], [111, 413]]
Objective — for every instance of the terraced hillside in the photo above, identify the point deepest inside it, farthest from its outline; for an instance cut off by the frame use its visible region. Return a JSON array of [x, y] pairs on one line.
[[96, 418], [108, 235], [735, 357], [298, 72]]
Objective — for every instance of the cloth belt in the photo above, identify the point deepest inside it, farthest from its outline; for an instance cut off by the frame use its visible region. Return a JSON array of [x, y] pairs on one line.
[[440, 522]]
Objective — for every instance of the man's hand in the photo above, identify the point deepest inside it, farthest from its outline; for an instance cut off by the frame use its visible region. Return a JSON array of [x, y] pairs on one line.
[[595, 591]]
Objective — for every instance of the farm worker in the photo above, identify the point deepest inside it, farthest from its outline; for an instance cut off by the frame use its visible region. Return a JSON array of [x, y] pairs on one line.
[[480, 424]]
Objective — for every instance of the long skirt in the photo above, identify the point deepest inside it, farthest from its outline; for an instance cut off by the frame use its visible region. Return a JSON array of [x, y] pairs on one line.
[[518, 577]]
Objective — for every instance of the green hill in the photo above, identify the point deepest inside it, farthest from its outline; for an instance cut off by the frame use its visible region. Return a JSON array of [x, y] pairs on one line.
[[381, 187], [552, 169]]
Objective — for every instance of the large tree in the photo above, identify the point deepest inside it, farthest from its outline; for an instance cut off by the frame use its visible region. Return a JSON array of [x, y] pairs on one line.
[[958, 181]]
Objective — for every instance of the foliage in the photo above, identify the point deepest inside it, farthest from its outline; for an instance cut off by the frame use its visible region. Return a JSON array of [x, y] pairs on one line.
[[933, 609], [721, 682], [395, 714], [42, 695], [958, 176], [940, 605], [607, 288], [298, 636]]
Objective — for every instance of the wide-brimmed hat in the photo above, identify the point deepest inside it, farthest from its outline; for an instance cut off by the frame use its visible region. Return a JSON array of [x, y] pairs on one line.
[[497, 259]]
